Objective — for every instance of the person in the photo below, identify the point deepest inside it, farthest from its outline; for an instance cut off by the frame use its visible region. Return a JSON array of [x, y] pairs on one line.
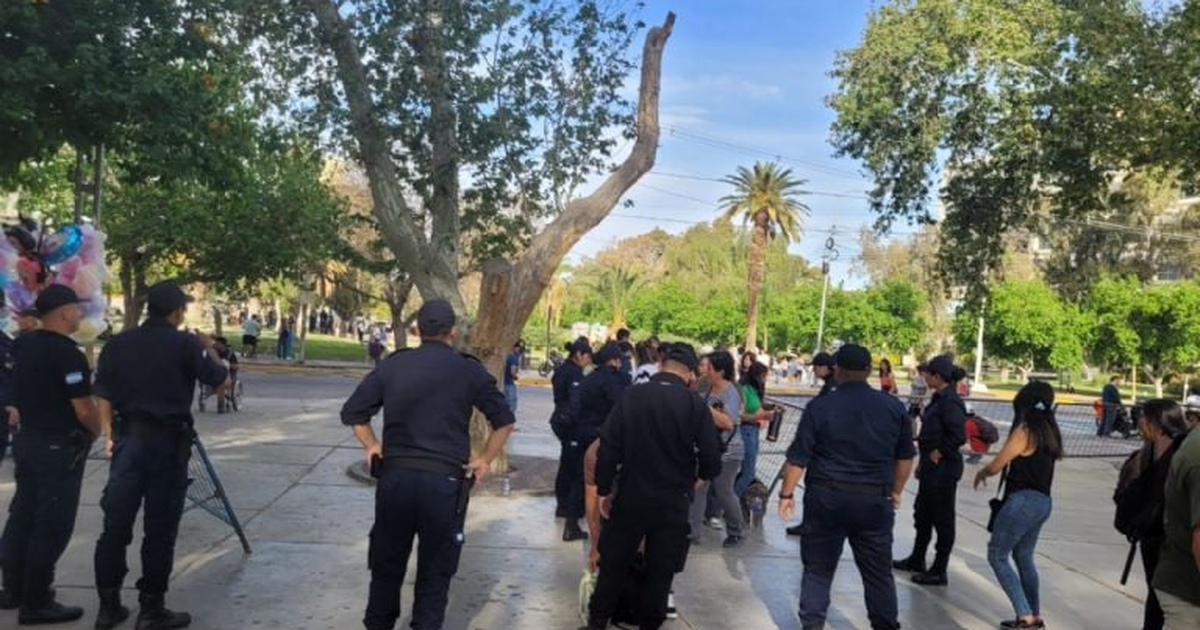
[[854, 450], [918, 391], [747, 361], [726, 405], [512, 373], [647, 362], [229, 359], [754, 418], [566, 378], [9, 416], [52, 394], [1140, 494], [375, 350], [823, 365], [1191, 410], [283, 346], [591, 403], [659, 439], [423, 464], [1177, 577], [943, 431], [1114, 409], [146, 380], [1028, 458], [627, 352], [887, 378], [251, 329]]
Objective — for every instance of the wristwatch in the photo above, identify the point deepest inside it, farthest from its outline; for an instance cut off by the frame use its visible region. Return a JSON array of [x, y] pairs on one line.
[[788, 497]]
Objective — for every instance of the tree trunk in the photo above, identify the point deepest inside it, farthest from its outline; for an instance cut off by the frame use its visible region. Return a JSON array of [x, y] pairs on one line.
[[1158, 385], [758, 263], [396, 294], [218, 323], [133, 286]]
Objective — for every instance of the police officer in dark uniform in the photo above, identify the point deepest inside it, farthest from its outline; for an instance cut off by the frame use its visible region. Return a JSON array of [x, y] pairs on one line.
[[566, 378], [590, 404], [8, 413], [659, 438], [943, 432], [427, 395], [823, 365], [58, 425], [146, 382], [855, 450]]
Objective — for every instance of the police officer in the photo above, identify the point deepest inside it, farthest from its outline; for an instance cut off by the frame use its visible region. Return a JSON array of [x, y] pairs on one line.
[[823, 365], [146, 381], [658, 439], [854, 449], [427, 395], [590, 404], [566, 378], [943, 432], [8, 413], [59, 423]]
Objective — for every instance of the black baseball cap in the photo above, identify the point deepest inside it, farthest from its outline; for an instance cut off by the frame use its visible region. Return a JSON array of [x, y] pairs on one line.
[[608, 352], [681, 353], [854, 358], [580, 346], [943, 366], [166, 297], [53, 298], [823, 359], [436, 317]]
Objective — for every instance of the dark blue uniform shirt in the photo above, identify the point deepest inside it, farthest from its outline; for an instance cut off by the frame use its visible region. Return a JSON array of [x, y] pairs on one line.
[[6, 375], [566, 378], [595, 397], [853, 434], [150, 373], [943, 429], [427, 395], [49, 372]]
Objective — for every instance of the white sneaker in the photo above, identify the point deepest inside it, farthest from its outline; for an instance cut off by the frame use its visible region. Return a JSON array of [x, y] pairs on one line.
[[715, 523], [672, 613]]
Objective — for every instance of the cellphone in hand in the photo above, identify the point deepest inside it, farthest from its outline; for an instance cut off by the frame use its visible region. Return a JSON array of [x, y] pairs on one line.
[[376, 467]]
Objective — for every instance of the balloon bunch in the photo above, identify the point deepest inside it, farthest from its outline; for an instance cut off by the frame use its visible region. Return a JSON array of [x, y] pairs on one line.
[[32, 259]]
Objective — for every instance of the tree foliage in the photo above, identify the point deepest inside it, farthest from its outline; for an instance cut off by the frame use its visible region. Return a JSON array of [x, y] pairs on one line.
[[1026, 325]]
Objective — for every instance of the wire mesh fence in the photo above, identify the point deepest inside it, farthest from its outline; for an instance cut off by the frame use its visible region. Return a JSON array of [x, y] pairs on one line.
[[1081, 426], [205, 490]]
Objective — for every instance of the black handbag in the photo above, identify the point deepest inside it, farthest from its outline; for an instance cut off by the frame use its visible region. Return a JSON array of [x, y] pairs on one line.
[[997, 502]]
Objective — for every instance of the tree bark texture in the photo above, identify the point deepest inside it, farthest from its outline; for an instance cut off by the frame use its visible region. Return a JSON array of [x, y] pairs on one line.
[[758, 264]]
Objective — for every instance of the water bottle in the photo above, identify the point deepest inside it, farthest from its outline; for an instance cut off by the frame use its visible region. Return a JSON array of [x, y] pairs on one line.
[[774, 426], [506, 486], [758, 506]]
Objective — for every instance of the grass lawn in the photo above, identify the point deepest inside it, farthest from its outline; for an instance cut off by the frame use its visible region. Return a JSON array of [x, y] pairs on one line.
[[317, 348], [1080, 389]]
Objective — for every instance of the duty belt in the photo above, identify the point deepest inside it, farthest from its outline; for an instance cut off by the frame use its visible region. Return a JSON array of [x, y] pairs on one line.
[[852, 488]]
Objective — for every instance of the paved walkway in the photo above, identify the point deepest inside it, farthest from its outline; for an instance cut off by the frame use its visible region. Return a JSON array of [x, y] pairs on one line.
[[283, 461]]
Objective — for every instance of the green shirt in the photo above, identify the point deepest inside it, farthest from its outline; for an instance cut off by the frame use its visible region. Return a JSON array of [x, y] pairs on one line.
[[751, 404], [1177, 573]]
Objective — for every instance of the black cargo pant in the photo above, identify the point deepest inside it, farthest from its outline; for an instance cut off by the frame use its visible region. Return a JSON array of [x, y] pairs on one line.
[[570, 471], [934, 510], [41, 518], [664, 527], [574, 483], [149, 469], [423, 505]]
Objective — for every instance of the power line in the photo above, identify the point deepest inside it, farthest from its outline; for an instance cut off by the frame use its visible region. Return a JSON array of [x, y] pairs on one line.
[[818, 193], [733, 145]]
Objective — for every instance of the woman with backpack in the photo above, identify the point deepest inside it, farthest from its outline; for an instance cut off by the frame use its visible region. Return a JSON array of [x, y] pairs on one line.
[[1140, 494], [1027, 462]]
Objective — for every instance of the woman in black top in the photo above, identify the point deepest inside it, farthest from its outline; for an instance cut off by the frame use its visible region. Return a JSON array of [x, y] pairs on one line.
[[1033, 447], [1161, 425]]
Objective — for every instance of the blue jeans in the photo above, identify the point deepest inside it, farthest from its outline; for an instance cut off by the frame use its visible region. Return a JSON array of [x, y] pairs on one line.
[[749, 461], [510, 395], [1016, 534]]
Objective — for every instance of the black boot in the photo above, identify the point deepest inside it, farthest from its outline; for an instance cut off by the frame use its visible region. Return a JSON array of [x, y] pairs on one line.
[[572, 532], [112, 613], [936, 575], [47, 611], [911, 564], [155, 616], [10, 599]]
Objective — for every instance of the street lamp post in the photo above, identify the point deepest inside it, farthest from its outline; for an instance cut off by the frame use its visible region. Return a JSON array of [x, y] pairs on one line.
[[830, 255]]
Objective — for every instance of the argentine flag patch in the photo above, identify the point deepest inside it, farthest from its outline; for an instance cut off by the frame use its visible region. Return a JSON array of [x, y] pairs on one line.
[[74, 378]]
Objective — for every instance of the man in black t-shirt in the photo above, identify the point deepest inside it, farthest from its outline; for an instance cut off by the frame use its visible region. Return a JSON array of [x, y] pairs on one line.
[[58, 424]]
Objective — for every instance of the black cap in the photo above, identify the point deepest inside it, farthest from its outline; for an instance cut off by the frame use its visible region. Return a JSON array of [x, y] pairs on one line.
[[436, 317], [823, 359], [53, 298], [944, 367], [580, 346], [681, 353], [608, 352], [854, 358], [166, 297]]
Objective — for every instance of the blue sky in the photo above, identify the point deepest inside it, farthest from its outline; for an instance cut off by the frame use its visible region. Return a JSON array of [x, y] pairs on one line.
[[755, 76]]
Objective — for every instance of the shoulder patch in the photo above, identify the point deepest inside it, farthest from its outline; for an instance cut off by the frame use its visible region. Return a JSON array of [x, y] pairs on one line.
[[74, 378]]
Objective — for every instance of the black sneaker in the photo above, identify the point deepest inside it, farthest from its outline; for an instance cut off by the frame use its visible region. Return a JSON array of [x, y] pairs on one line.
[[909, 564], [672, 612], [930, 578], [9, 600], [1019, 625], [52, 612], [732, 541]]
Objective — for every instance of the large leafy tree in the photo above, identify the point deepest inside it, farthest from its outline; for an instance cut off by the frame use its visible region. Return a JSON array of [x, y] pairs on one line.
[[1018, 113], [766, 197]]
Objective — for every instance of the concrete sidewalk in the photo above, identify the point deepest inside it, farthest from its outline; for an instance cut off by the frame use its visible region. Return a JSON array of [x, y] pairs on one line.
[[283, 462]]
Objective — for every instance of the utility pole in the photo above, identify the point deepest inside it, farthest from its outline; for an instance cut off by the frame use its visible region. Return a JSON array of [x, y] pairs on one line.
[[830, 255]]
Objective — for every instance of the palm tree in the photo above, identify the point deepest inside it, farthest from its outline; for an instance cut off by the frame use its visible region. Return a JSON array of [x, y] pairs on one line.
[[769, 198], [616, 285]]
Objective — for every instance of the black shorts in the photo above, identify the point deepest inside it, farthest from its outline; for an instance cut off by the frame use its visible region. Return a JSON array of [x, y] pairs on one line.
[[249, 340]]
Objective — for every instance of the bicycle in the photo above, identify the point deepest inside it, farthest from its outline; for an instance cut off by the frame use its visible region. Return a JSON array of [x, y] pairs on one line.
[[233, 397]]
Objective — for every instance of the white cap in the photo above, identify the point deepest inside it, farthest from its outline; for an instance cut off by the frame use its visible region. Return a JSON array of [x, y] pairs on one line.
[[1192, 403]]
